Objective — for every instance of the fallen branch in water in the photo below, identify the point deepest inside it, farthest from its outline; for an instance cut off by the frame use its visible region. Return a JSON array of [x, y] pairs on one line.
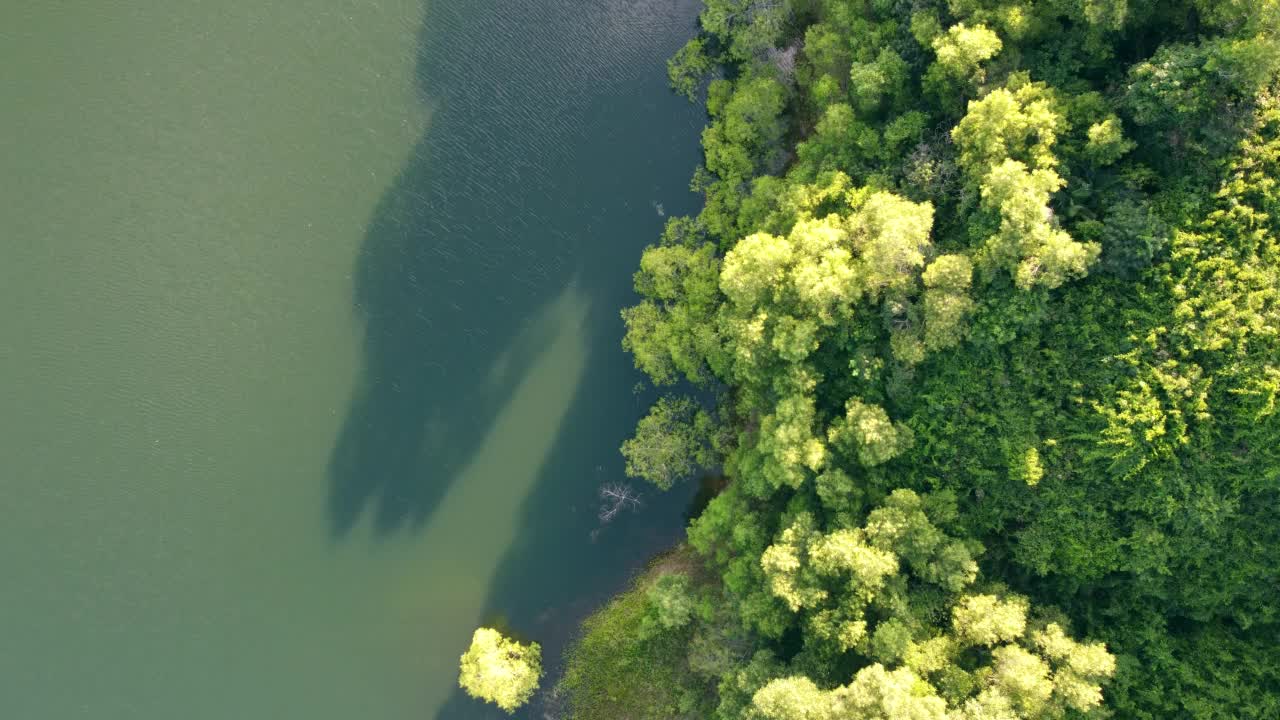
[[616, 497]]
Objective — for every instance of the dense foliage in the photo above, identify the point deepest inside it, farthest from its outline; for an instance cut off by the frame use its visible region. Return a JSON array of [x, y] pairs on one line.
[[635, 656], [500, 670], [988, 293]]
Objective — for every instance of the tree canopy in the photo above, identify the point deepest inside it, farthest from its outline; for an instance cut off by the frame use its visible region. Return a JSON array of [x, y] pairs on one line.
[[499, 670], [981, 321]]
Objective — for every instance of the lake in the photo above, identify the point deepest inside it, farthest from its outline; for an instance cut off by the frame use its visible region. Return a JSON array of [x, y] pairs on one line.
[[309, 343]]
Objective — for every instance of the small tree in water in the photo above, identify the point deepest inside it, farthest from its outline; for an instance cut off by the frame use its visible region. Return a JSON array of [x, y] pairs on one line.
[[499, 670]]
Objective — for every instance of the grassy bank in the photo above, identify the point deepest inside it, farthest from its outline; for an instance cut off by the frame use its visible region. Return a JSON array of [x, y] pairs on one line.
[[632, 659]]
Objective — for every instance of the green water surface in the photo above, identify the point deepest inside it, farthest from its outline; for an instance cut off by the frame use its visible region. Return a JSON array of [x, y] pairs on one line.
[[309, 336]]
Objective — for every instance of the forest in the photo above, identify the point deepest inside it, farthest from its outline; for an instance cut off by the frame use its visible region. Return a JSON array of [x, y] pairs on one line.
[[976, 341]]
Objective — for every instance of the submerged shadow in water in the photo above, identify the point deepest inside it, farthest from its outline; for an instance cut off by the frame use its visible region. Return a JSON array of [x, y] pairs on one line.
[[461, 250], [636, 157], [554, 150]]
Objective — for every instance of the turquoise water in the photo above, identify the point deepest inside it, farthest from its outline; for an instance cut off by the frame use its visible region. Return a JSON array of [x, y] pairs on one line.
[[309, 358]]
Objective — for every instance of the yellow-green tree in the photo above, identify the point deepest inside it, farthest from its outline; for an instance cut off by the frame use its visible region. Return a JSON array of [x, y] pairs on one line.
[[500, 670], [1022, 251], [901, 594]]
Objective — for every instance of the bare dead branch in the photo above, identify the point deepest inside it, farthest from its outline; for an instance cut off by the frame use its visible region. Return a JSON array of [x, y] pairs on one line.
[[616, 497]]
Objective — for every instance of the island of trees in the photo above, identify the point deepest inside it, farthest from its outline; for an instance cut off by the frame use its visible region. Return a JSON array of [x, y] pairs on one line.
[[980, 324]]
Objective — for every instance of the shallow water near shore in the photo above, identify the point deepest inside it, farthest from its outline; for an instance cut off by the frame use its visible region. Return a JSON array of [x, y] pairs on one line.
[[310, 356]]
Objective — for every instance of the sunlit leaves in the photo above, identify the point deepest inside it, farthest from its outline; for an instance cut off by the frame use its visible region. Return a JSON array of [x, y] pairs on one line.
[[853, 585], [669, 604], [1107, 142], [947, 303], [866, 433], [989, 620], [501, 671], [1019, 124], [1028, 244], [892, 236], [1074, 335], [756, 269], [670, 333], [961, 50]]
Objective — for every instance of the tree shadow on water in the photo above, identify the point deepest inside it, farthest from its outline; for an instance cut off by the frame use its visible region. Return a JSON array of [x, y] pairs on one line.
[[636, 155], [554, 151], [461, 251], [566, 561]]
